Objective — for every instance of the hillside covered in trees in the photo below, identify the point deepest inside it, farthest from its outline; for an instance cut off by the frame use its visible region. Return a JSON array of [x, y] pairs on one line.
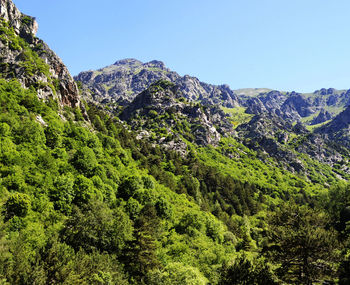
[[162, 190]]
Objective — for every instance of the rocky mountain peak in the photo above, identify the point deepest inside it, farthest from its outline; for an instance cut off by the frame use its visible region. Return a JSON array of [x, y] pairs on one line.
[[338, 129], [323, 116], [128, 61], [324, 91]]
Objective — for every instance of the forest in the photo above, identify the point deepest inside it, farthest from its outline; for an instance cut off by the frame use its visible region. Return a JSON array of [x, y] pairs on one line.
[[85, 202]]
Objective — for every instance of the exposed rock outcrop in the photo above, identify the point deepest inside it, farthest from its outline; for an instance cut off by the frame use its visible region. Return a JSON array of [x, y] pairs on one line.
[[338, 129], [162, 108], [28, 59], [278, 138]]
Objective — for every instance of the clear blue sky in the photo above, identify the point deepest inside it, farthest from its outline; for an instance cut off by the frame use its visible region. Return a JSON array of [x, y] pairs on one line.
[[299, 45]]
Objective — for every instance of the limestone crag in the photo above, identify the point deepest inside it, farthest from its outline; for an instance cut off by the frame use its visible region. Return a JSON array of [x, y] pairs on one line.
[[294, 106], [10, 13]]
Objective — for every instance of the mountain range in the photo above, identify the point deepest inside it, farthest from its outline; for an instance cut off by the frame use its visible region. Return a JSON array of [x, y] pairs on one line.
[[125, 79], [270, 115]]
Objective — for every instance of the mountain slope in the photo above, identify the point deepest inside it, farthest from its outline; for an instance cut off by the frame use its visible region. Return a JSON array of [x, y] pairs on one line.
[[89, 198], [162, 112], [338, 129], [76, 207]]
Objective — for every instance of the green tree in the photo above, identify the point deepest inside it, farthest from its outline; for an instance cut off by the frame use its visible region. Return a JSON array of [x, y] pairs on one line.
[[129, 186], [97, 227], [85, 161], [177, 274], [246, 272], [301, 244], [140, 255], [53, 137], [17, 204], [84, 190]]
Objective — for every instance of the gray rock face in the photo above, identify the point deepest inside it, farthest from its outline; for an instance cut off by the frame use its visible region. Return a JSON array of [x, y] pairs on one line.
[[33, 63], [255, 106], [14, 17], [291, 106], [295, 106], [268, 135], [125, 79], [298, 104]]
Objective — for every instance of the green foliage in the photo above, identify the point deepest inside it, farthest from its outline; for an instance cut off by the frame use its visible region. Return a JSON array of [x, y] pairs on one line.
[[164, 208], [190, 224], [97, 227], [85, 161], [140, 255], [18, 205], [129, 186], [301, 244], [27, 20], [62, 194], [177, 274], [75, 202], [32, 63], [237, 115], [101, 207], [84, 190], [246, 272]]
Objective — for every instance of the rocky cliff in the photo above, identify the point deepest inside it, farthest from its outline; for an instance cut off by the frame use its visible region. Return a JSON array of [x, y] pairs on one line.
[[322, 117], [28, 59], [295, 106]]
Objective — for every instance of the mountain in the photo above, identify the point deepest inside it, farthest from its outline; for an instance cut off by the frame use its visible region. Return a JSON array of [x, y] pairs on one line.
[[295, 106], [125, 79], [322, 117], [269, 113]]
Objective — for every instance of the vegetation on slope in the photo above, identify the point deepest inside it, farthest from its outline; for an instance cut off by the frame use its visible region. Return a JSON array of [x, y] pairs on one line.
[[85, 202]]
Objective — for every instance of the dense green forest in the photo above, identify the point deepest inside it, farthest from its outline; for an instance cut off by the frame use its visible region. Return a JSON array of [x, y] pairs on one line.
[[85, 202]]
